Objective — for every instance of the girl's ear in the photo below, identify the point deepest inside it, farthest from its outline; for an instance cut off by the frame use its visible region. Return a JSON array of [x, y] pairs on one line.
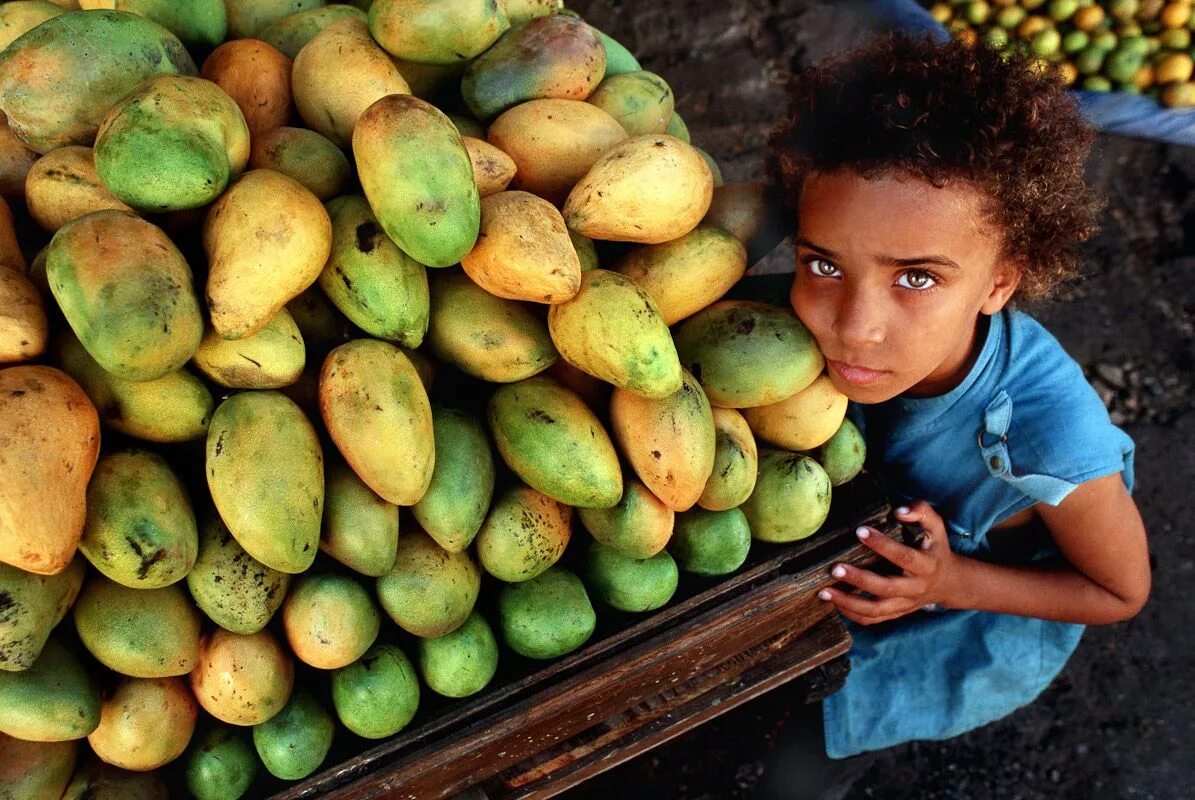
[[1005, 279]]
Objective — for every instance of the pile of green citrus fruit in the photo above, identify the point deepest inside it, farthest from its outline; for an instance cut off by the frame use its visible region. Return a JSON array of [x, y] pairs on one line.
[[1131, 46]]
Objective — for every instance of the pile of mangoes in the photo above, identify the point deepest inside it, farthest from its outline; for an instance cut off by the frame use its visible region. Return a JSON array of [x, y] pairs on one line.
[[280, 280], [1131, 46]]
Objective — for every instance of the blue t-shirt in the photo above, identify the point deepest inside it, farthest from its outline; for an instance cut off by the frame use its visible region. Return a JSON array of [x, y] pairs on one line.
[[1023, 427]]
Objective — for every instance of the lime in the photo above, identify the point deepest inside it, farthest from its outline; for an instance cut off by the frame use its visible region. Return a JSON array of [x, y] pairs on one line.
[[1128, 29], [1137, 45], [1121, 65], [1127, 88], [1062, 10], [1174, 68], [1097, 83], [1123, 9], [1175, 39], [977, 12], [1010, 17], [1091, 60], [1074, 41], [1046, 43], [1104, 40], [996, 38]]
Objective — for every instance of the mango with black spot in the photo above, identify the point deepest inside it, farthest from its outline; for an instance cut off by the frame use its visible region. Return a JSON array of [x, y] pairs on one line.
[[269, 359], [630, 584], [231, 587], [35, 770], [552, 56], [736, 462], [64, 184], [55, 700], [378, 695], [524, 534], [460, 663], [462, 485], [145, 723], [496, 340], [375, 284], [59, 80], [143, 633], [294, 742], [791, 499], [418, 177], [140, 529], [127, 293], [429, 591], [330, 620], [198, 23], [24, 327], [242, 679], [555, 443], [30, 606], [442, 32], [546, 617], [255, 437]]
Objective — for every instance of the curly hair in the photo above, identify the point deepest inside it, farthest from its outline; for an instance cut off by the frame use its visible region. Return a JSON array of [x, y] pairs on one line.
[[949, 112]]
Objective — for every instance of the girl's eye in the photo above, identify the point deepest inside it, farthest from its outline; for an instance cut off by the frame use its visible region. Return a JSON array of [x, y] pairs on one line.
[[822, 268], [917, 280]]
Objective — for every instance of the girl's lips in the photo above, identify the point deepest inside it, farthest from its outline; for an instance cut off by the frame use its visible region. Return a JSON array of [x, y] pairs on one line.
[[859, 376]]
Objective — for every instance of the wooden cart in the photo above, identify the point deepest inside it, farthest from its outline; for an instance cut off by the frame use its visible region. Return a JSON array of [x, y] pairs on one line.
[[641, 680]]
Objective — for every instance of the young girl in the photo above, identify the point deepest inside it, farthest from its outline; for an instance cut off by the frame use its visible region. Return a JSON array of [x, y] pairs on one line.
[[933, 185]]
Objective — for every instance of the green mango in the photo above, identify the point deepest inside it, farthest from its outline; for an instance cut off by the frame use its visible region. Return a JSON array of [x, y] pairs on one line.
[[418, 177], [525, 533], [142, 633], [455, 503], [269, 359], [140, 529], [429, 591], [360, 527], [55, 700], [19, 17], [220, 764], [176, 407], [553, 56], [198, 23], [173, 143], [294, 742], [555, 443], [437, 31], [639, 526], [35, 770], [641, 101], [677, 127], [460, 663], [289, 34], [309, 157], [30, 606], [715, 170], [254, 438], [249, 19], [748, 354], [496, 340], [842, 457], [586, 250], [546, 617], [736, 462], [59, 80], [234, 590], [618, 58], [711, 542], [375, 284], [630, 584], [377, 695], [127, 293], [791, 499]]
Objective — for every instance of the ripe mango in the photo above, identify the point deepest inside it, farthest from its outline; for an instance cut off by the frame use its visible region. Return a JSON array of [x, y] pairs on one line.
[[736, 462], [378, 695], [638, 527], [220, 764], [242, 679], [803, 421], [269, 359], [613, 330], [59, 80], [496, 340], [30, 606], [234, 590], [291, 34], [23, 324], [294, 742], [553, 56], [523, 251], [127, 293], [711, 542], [140, 529], [143, 633], [641, 101], [630, 584], [257, 77], [377, 412], [442, 32], [791, 499], [254, 437], [370, 280], [748, 354], [52, 443], [428, 591], [546, 617], [554, 443], [64, 184], [462, 484], [35, 770], [493, 170], [55, 700], [145, 723], [525, 533], [330, 620], [460, 663], [418, 178], [311, 159], [18, 18], [360, 527]]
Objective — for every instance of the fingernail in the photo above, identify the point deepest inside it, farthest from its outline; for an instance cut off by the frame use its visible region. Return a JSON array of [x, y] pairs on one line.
[[902, 510], [823, 594], [839, 571], [862, 533]]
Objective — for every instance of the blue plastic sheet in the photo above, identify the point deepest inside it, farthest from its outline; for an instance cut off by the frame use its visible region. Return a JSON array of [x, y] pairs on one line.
[[1123, 114]]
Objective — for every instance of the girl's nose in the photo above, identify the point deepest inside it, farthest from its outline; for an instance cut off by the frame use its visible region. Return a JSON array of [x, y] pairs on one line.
[[859, 320]]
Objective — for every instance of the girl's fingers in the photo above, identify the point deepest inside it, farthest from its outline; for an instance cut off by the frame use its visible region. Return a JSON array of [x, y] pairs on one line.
[[868, 609], [907, 558], [879, 585]]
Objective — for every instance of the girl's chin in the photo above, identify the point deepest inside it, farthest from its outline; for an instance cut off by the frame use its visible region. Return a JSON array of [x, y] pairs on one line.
[[865, 395]]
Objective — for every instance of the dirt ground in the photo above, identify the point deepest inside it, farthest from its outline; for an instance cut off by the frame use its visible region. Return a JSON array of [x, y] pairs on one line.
[[1118, 722]]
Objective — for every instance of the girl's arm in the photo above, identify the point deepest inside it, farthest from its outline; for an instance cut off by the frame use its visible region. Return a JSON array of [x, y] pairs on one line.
[[1097, 528]]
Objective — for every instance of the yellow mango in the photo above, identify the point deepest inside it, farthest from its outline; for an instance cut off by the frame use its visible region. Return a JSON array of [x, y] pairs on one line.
[[23, 325], [247, 283], [740, 208], [493, 170], [18, 18], [64, 184], [736, 462], [553, 143], [330, 620], [144, 633], [16, 159], [242, 679], [269, 359], [641, 101], [523, 251], [802, 422], [638, 527], [145, 724], [525, 533], [670, 442], [10, 248], [521, 11], [370, 394], [437, 31], [429, 591], [687, 274], [648, 189], [52, 441], [257, 77]]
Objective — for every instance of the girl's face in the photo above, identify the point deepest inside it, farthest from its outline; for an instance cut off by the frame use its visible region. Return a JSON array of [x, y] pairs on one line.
[[892, 275]]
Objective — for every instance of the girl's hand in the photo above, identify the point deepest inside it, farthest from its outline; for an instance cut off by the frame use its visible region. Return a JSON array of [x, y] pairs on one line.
[[926, 578]]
